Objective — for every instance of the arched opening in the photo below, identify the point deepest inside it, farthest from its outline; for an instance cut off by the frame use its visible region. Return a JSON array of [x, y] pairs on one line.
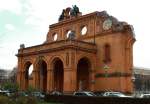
[[42, 75], [58, 75], [83, 68], [70, 34], [30, 70], [55, 36], [84, 30], [28, 74]]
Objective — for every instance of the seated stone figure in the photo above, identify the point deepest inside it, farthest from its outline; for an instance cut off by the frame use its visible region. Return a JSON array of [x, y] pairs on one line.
[[69, 12], [71, 35]]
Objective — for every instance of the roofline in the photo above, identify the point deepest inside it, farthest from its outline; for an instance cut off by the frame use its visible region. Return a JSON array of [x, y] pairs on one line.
[[74, 19], [141, 68]]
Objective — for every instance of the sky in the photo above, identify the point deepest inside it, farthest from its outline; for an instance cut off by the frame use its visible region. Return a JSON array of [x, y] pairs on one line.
[[27, 21]]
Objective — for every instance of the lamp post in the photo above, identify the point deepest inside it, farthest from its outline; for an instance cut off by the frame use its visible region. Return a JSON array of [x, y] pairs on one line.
[[106, 68], [133, 81]]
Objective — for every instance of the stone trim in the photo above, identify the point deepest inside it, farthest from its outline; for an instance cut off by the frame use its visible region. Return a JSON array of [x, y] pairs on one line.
[[114, 74]]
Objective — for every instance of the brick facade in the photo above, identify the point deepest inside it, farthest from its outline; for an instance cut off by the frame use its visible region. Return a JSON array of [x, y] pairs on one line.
[[100, 58]]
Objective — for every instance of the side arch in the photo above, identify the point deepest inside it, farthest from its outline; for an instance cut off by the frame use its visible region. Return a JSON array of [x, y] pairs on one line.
[[39, 59], [41, 74], [83, 74], [57, 67], [90, 59], [25, 75]]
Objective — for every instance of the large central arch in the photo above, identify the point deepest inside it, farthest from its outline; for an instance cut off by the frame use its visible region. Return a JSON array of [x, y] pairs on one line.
[[58, 72], [83, 74], [42, 75]]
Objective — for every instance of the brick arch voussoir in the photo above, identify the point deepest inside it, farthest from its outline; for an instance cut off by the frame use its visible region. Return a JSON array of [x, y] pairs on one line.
[[36, 63], [25, 64], [89, 58], [53, 59]]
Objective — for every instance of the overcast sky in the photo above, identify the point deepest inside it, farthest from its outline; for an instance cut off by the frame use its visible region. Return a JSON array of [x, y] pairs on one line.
[[27, 21]]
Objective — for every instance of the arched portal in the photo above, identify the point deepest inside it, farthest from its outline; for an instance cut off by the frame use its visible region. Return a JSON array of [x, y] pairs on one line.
[[58, 75], [42, 75], [28, 73], [83, 68]]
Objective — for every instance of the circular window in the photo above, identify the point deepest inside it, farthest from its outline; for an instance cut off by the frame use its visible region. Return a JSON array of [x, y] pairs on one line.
[[55, 36], [68, 32], [83, 30]]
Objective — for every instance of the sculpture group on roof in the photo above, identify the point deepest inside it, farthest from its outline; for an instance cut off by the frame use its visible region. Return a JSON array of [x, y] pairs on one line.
[[69, 12]]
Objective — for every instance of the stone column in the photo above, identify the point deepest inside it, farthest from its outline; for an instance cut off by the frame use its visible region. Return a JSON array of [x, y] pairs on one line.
[[19, 79], [69, 80], [22, 81], [20, 73], [37, 80], [74, 80], [50, 79], [92, 80]]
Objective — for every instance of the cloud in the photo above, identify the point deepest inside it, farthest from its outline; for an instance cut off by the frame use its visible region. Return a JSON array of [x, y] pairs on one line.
[[10, 27], [11, 5]]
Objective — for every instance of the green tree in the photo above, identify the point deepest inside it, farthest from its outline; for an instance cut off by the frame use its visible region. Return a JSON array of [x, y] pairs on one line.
[[10, 86]]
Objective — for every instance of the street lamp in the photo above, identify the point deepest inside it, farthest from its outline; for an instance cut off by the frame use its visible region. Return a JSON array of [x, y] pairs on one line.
[[106, 68], [133, 81]]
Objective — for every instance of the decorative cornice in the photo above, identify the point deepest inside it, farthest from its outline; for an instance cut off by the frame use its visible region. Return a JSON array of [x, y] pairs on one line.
[[61, 45], [60, 41]]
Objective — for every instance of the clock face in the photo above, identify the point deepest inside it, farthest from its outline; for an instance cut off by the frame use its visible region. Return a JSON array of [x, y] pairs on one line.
[[107, 24]]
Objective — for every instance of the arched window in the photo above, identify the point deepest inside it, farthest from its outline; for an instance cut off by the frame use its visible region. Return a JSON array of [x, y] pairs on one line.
[[55, 36], [107, 57], [83, 30], [30, 71], [67, 33], [70, 34]]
